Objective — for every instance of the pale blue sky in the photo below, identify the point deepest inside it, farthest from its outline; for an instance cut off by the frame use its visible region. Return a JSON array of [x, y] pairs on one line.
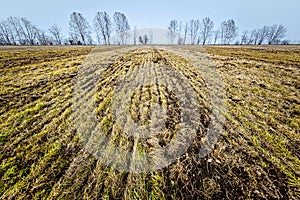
[[248, 14]]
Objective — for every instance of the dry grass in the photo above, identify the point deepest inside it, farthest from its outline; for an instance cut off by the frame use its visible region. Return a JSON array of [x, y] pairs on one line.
[[42, 155]]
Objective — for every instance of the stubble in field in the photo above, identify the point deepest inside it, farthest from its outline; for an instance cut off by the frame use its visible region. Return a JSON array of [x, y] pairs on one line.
[[244, 120]]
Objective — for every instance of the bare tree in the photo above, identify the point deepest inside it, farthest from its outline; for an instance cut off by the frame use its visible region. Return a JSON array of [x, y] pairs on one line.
[[20, 30], [180, 39], [143, 39], [135, 34], [98, 23], [185, 32], [172, 30], [262, 34], [103, 26], [2, 42], [228, 31], [194, 26], [285, 42], [254, 37], [17, 29], [42, 38], [6, 34], [90, 40], [73, 40], [223, 32], [217, 35], [206, 29], [30, 31], [79, 27], [276, 33], [244, 37], [55, 31], [150, 37], [122, 26], [98, 38], [146, 39]]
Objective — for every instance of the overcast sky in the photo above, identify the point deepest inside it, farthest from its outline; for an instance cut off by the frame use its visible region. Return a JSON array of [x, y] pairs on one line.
[[248, 14]]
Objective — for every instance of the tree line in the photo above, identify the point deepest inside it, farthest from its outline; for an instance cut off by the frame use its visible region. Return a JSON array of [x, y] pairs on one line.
[[21, 31], [202, 32]]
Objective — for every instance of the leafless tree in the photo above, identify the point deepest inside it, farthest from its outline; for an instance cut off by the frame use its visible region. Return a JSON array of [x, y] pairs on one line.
[[17, 29], [222, 32], [55, 31], [73, 40], [143, 39], [2, 42], [42, 38], [194, 26], [206, 29], [180, 39], [103, 26], [254, 37], [276, 33], [150, 37], [185, 32], [135, 35], [172, 30], [217, 35], [98, 23], [6, 34], [251, 37], [90, 40], [79, 27], [262, 34], [122, 27], [146, 39], [244, 37], [228, 31], [285, 42], [30, 31], [98, 37], [20, 30]]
